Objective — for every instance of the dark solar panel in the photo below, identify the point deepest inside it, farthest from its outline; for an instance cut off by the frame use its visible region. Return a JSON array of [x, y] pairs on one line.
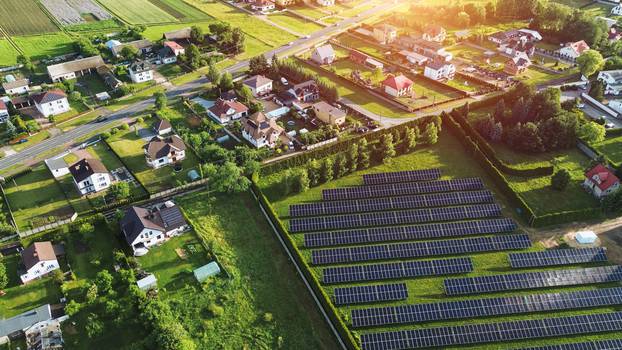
[[402, 176], [493, 332], [391, 203], [370, 294], [378, 272], [417, 313], [408, 233], [403, 217], [532, 280], [557, 257], [419, 249], [612, 344], [401, 189]]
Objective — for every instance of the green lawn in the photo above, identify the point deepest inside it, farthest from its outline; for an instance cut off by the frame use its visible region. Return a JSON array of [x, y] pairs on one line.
[[612, 147], [36, 138], [307, 11], [138, 11], [294, 23], [180, 10], [154, 32], [129, 146], [45, 46], [9, 54], [36, 197]]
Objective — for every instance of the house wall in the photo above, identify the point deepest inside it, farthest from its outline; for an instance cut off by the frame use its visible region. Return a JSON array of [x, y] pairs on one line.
[[53, 108], [142, 76], [18, 90], [94, 183], [160, 162], [261, 90], [40, 270], [151, 237]]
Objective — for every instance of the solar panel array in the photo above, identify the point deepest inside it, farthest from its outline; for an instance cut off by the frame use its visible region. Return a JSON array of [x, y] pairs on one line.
[[402, 176], [391, 203], [612, 344], [530, 280], [557, 257], [493, 332], [485, 307], [377, 272], [401, 189], [370, 294], [403, 217], [407, 233], [419, 249]]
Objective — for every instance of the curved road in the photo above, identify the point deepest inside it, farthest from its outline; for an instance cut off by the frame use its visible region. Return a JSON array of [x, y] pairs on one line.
[[85, 129]]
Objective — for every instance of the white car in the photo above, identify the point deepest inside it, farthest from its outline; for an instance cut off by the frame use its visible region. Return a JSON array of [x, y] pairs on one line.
[[609, 126], [581, 105], [308, 36], [290, 43]]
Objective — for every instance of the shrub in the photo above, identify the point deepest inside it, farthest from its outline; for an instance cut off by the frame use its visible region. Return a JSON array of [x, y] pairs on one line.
[[560, 179]]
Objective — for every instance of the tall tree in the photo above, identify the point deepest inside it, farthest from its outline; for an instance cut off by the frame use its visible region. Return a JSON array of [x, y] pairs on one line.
[[160, 100], [387, 148], [590, 62], [258, 65]]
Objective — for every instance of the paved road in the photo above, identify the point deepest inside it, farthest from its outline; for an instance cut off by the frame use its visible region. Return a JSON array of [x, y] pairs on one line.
[[83, 130]]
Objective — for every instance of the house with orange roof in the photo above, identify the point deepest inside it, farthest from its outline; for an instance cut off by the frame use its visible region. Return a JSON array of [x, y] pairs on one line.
[[601, 181]]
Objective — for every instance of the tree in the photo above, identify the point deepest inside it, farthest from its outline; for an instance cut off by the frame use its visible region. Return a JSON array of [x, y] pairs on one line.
[[258, 65], [129, 52], [377, 75], [313, 169], [85, 230], [25, 60], [340, 166], [352, 159], [301, 183], [160, 100], [170, 335], [591, 132], [364, 155], [560, 180], [196, 34], [85, 47], [4, 279], [612, 203], [597, 91], [119, 190], [72, 307], [387, 148], [589, 62], [463, 19], [326, 170], [430, 135], [410, 139], [229, 178], [103, 281], [245, 94], [193, 56], [94, 326], [226, 82], [11, 130], [213, 74]]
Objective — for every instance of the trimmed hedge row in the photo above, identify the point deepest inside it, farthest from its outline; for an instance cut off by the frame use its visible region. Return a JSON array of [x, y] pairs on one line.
[[320, 293]]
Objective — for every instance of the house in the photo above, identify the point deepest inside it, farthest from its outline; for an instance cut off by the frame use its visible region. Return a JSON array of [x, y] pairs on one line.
[[38, 260], [329, 114], [166, 56], [74, 69], [175, 48], [516, 47], [16, 87], [52, 102], [617, 10], [58, 167], [45, 335], [504, 36], [141, 71], [109, 78], [307, 91], [434, 32], [15, 326], [430, 49], [325, 2], [363, 59], [259, 85], [263, 5], [229, 95], [261, 131], [162, 126], [143, 46], [439, 69], [397, 86], [284, 3], [601, 181], [178, 35], [225, 111], [323, 54], [384, 33], [90, 175], [574, 50], [413, 57], [4, 112], [612, 79], [517, 65], [164, 151], [145, 228]]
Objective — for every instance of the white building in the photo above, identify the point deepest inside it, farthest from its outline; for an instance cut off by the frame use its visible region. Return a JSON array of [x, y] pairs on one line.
[[385, 33], [259, 85], [325, 2], [4, 112], [39, 259], [74, 69], [57, 165], [90, 175], [261, 131], [52, 102], [601, 181], [323, 54], [397, 86], [164, 151], [612, 79], [263, 5], [439, 70], [16, 87], [434, 32], [141, 71], [145, 228], [617, 10], [574, 50]]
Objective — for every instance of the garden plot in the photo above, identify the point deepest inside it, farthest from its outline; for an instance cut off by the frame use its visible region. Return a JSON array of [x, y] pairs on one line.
[[71, 12], [138, 11], [24, 17]]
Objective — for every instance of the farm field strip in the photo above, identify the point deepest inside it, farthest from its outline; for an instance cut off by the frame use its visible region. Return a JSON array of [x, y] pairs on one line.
[[25, 17], [71, 12], [42, 46], [180, 10], [138, 11], [294, 23]]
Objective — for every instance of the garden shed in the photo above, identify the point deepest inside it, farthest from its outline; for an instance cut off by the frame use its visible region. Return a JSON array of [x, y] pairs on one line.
[[148, 282], [206, 271]]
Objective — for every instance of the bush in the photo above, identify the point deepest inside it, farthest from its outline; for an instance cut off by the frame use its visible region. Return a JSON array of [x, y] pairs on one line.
[[560, 180], [125, 127]]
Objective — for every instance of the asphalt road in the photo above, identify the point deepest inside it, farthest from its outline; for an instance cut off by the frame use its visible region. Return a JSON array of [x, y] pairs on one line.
[[83, 130]]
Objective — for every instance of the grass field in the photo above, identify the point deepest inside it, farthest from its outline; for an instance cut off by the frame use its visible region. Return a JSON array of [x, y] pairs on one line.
[[180, 10], [8, 55], [294, 23], [612, 147], [45, 46], [138, 11], [25, 17], [307, 11], [454, 163], [155, 32]]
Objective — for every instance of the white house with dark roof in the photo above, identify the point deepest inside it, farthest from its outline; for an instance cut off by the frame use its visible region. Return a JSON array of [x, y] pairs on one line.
[[160, 151], [141, 71], [323, 54], [261, 131], [38, 260], [16, 87], [439, 70], [612, 79], [162, 127], [145, 228], [90, 175], [226, 111], [4, 112], [74, 69], [259, 85], [52, 102]]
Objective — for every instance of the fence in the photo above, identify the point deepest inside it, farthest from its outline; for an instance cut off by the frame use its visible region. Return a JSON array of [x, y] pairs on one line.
[[50, 226], [590, 100], [178, 189]]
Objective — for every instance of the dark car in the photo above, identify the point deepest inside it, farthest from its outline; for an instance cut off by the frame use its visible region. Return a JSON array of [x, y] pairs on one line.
[[22, 141], [101, 118]]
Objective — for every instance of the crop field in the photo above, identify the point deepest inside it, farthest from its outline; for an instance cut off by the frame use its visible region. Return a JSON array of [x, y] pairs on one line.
[[24, 17], [47, 45], [180, 9], [307, 11], [453, 163], [294, 23], [9, 54], [138, 11]]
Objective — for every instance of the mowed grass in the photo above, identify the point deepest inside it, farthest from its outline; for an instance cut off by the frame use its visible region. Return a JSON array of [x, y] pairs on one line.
[[307, 11], [180, 10], [24, 17], [45, 46], [8, 54], [294, 23], [138, 11], [612, 148], [155, 32]]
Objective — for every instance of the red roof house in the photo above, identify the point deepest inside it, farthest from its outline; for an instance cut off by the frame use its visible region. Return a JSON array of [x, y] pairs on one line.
[[397, 86], [175, 47], [601, 181]]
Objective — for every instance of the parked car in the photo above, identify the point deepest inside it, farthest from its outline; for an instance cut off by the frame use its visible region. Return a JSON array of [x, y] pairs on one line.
[[581, 105], [22, 141], [101, 118], [609, 126]]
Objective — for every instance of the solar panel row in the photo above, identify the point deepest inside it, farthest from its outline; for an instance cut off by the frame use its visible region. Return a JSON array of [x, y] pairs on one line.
[[612, 344], [370, 294], [402, 176], [485, 307], [376, 272], [493, 332], [408, 233], [419, 249], [401, 189], [557, 257], [531, 280], [404, 217], [391, 203]]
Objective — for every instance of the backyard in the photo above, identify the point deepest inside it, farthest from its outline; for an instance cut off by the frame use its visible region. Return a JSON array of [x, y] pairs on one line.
[[612, 148]]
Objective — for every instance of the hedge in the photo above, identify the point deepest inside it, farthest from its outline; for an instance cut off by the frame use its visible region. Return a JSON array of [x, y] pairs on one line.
[[319, 292]]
